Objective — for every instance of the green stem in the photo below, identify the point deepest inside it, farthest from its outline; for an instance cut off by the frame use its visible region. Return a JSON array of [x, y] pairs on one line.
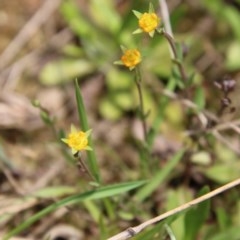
[[174, 50], [138, 81], [82, 167]]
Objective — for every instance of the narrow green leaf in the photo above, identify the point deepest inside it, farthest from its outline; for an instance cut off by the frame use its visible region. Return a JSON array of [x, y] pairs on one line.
[[159, 177], [93, 209], [223, 218], [195, 217], [56, 191], [137, 14], [92, 161], [170, 232], [137, 31], [99, 193], [103, 228], [174, 198], [179, 51], [232, 233]]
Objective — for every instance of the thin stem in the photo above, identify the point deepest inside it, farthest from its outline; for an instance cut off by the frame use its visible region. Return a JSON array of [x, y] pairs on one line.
[[138, 81], [174, 50], [132, 231], [82, 167], [166, 19]]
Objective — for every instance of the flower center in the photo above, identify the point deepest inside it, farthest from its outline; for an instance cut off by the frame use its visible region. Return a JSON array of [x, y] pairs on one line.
[[77, 140], [148, 22], [131, 58]]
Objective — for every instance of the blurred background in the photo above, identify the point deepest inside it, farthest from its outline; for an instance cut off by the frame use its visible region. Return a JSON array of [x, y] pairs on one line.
[[46, 45]]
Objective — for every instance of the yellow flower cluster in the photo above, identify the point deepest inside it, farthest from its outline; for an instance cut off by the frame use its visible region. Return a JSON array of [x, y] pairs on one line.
[[131, 58], [77, 140], [148, 22]]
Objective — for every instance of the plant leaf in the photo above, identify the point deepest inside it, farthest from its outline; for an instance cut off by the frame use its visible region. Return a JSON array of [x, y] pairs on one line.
[[92, 160], [159, 177], [99, 193], [195, 217]]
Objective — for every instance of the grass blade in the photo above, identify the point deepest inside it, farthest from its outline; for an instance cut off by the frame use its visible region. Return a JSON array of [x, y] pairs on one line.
[[159, 177], [99, 193], [195, 217], [92, 160]]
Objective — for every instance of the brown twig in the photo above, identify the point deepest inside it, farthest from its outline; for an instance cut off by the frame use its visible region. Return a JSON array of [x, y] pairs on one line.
[[165, 16], [203, 116], [130, 232]]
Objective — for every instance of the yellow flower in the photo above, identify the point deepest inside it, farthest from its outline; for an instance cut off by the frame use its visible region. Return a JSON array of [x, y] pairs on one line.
[[77, 140], [148, 22], [131, 58]]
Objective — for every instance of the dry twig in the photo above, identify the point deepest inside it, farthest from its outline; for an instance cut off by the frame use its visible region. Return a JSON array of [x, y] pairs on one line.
[[166, 19], [132, 231]]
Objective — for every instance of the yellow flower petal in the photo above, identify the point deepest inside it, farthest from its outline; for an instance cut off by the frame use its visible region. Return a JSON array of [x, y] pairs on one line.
[[77, 140], [148, 22], [131, 58]]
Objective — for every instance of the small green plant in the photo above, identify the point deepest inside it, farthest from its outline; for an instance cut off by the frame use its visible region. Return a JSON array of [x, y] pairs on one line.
[[159, 196]]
